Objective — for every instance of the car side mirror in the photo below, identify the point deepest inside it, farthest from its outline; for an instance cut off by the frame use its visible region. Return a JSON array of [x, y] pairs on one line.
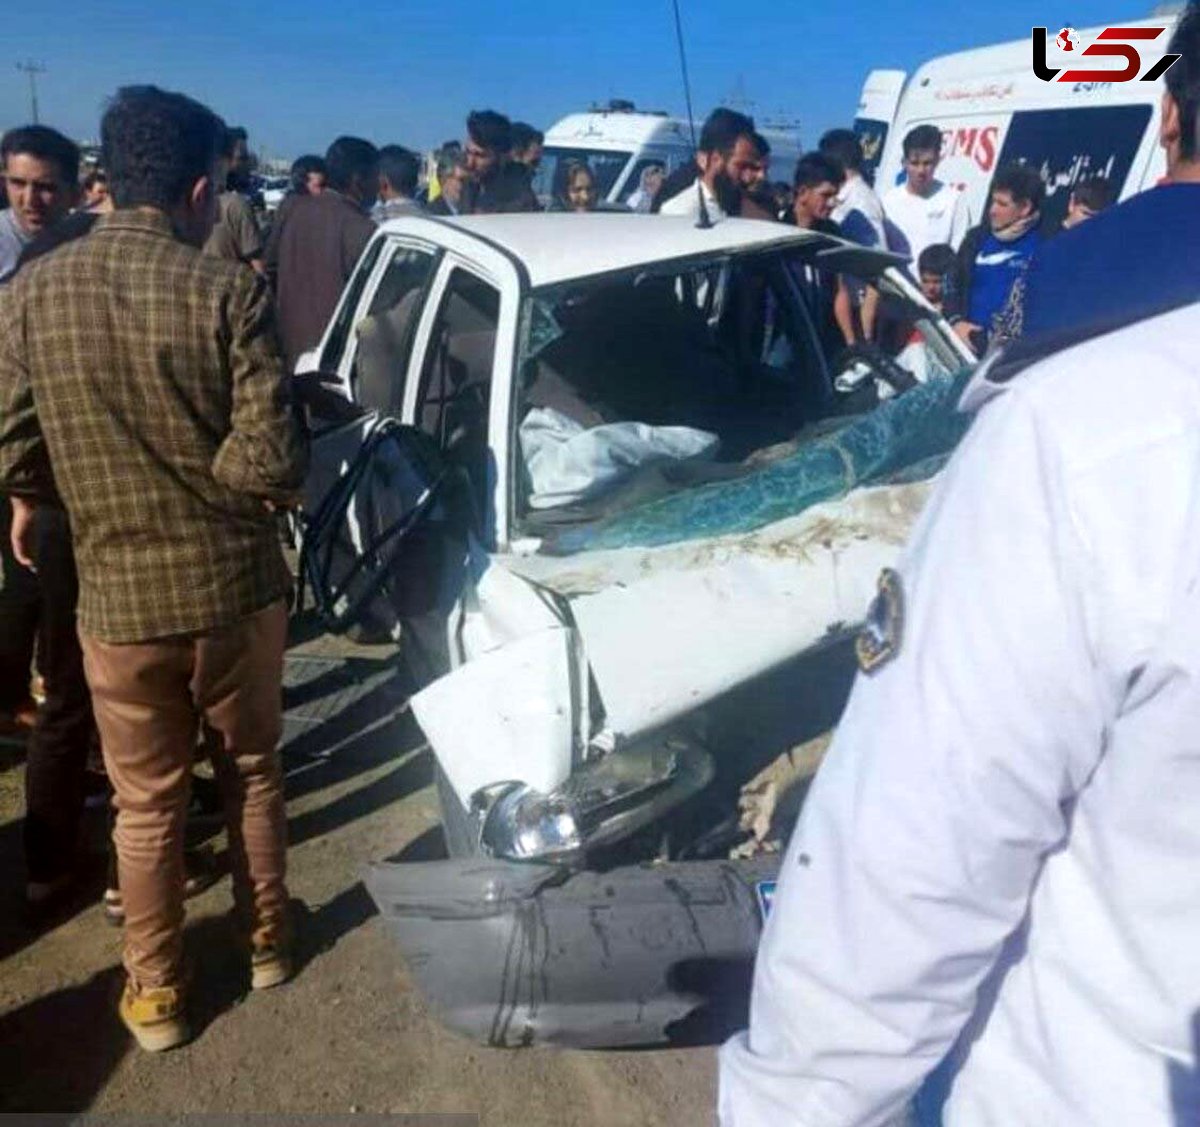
[[324, 397]]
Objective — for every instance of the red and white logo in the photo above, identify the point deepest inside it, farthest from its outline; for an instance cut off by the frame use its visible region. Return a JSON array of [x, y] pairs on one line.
[[1111, 43], [1068, 39]]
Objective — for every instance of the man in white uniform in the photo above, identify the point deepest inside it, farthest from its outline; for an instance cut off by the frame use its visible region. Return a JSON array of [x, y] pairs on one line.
[[924, 211], [998, 867]]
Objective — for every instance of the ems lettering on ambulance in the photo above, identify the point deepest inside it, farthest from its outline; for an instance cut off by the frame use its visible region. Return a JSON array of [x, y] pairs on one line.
[[970, 148]]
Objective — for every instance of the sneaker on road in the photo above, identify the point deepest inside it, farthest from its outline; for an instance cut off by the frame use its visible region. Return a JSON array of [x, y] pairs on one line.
[[270, 960], [114, 907], [155, 1016]]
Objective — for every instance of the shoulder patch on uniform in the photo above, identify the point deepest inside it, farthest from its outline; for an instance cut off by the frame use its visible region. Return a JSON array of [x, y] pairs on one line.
[[879, 639]]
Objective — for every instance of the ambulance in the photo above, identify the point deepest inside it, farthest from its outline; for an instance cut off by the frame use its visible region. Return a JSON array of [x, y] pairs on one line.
[[619, 141], [993, 110]]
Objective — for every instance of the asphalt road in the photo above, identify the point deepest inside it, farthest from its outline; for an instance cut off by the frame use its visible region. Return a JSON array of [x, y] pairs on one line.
[[349, 1034]]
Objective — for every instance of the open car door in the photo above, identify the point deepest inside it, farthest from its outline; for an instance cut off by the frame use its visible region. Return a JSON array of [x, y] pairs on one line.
[[384, 524]]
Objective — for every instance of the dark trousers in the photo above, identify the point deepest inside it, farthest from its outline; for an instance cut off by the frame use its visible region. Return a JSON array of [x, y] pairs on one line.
[[20, 606], [58, 751]]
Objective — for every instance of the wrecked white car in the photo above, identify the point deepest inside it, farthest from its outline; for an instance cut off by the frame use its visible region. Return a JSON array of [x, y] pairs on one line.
[[603, 476]]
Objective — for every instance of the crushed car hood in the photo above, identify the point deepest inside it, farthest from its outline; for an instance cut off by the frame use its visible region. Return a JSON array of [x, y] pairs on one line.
[[626, 639]]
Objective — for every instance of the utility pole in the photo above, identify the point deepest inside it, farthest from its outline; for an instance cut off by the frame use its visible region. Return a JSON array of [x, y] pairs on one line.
[[33, 70]]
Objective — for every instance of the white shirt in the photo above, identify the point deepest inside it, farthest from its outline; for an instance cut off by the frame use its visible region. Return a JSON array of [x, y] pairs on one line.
[[395, 208], [859, 213], [924, 221], [13, 240], [687, 203], [1031, 753]]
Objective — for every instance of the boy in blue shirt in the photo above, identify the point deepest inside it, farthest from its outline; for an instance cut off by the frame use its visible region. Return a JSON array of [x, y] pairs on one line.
[[996, 254]]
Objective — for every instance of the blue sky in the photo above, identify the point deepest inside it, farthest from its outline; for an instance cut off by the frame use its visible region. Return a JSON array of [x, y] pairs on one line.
[[297, 74]]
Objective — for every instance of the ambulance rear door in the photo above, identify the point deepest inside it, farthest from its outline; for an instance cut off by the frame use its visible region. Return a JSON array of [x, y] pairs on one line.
[[876, 111]]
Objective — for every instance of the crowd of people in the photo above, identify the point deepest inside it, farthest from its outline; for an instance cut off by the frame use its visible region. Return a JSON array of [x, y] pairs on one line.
[[149, 442]]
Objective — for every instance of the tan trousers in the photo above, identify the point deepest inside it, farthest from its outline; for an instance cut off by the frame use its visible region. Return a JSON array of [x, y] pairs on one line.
[[149, 700]]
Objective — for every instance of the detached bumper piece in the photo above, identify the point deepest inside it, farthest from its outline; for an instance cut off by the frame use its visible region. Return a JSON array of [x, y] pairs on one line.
[[514, 954]]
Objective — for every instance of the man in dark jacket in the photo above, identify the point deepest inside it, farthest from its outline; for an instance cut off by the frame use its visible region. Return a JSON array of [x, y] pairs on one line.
[[315, 247]]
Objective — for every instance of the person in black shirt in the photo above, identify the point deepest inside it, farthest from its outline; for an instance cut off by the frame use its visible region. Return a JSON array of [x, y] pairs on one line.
[[816, 185]]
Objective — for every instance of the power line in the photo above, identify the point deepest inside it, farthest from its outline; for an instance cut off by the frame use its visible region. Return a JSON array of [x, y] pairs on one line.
[[705, 220], [687, 86], [33, 70]]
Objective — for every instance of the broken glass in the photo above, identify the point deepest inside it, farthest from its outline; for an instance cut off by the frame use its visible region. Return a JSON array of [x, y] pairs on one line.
[[908, 437]]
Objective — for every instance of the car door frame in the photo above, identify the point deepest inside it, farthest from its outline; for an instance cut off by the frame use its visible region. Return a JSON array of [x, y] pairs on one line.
[[451, 247], [461, 250], [390, 244]]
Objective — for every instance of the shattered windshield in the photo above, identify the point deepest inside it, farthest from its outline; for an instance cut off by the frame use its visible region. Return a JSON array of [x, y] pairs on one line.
[[647, 383]]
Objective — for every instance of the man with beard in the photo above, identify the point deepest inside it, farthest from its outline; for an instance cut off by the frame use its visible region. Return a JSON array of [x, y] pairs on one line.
[[757, 199], [726, 152], [237, 236]]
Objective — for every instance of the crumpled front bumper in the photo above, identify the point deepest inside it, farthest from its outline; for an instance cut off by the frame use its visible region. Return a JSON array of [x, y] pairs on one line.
[[525, 954]]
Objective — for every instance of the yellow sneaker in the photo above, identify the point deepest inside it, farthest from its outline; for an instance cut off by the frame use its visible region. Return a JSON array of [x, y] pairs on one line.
[[155, 1016], [270, 959]]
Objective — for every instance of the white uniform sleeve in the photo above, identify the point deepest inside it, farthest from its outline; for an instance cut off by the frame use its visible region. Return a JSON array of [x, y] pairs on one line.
[[945, 787], [685, 203], [961, 221]]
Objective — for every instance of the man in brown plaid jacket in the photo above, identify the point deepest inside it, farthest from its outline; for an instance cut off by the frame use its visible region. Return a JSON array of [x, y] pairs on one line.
[[141, 386]]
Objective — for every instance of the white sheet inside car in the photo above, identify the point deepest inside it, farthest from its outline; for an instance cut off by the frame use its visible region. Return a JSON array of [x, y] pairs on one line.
[[568, 462]]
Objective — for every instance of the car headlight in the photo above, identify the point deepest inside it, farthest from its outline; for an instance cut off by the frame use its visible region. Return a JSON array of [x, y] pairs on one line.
[[523, 824], [602, 802]]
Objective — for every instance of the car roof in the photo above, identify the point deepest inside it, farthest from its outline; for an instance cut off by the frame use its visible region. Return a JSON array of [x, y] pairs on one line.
[[560, 246]]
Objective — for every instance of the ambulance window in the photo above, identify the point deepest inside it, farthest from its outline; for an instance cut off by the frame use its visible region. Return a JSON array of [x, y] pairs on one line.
[[606, 165], [1069, 145], [635, 177]]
